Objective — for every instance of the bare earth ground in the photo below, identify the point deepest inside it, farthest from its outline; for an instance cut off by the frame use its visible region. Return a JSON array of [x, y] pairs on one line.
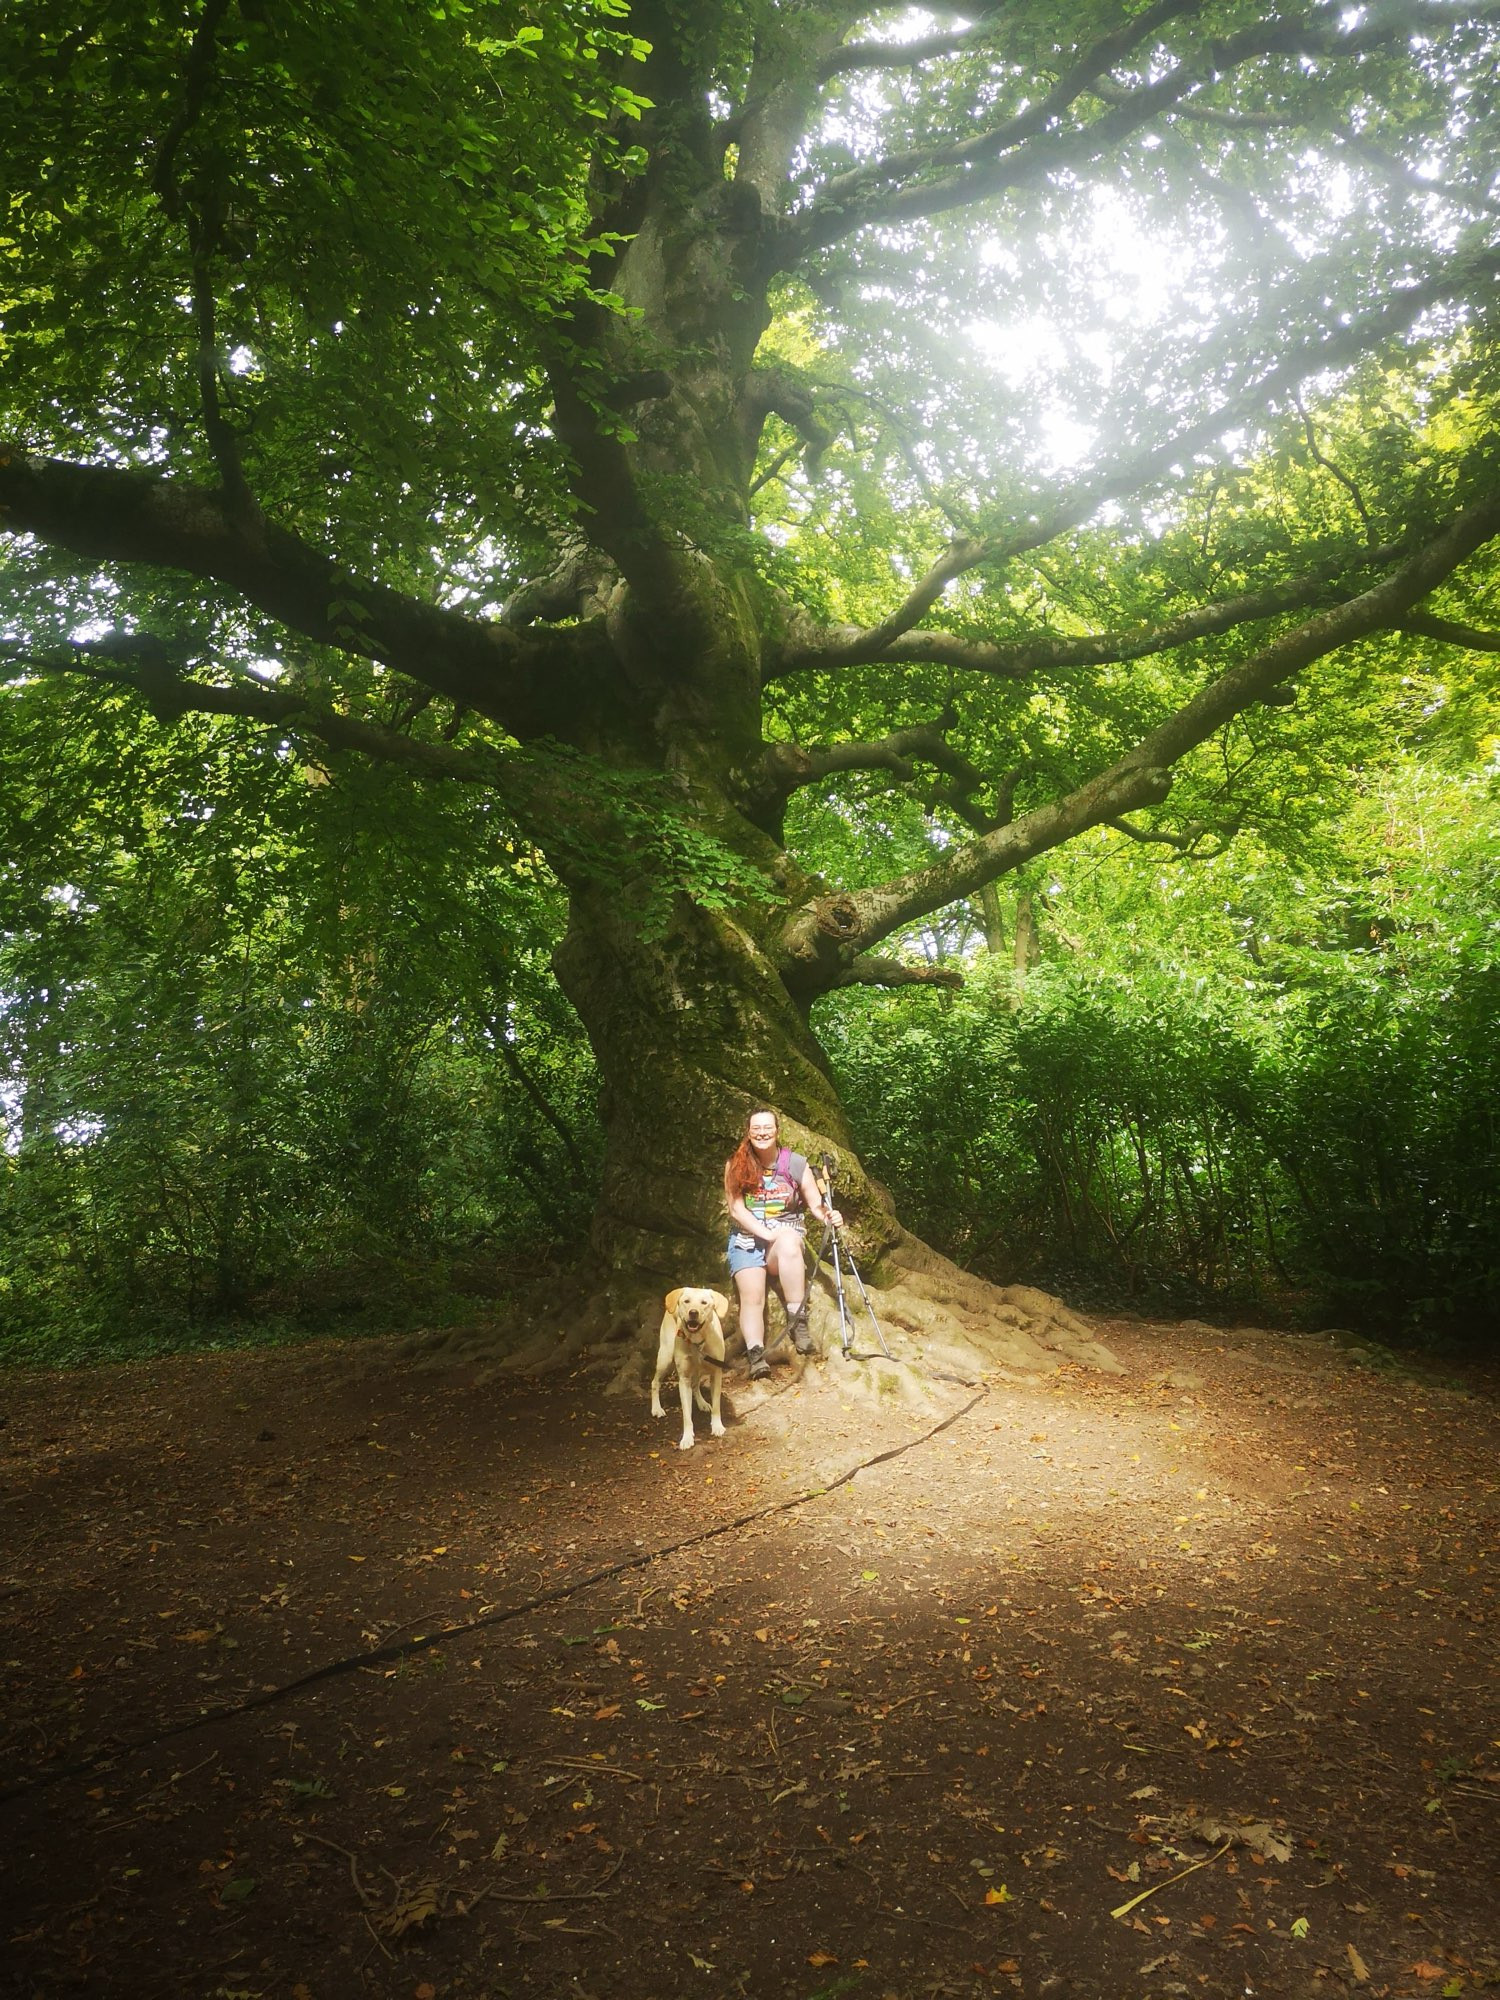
[[1220, 1630]]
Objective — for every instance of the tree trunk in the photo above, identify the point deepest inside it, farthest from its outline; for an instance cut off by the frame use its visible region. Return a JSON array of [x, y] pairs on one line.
[[994, 920], [693, 1027], [1028, 945], [692, 1030]]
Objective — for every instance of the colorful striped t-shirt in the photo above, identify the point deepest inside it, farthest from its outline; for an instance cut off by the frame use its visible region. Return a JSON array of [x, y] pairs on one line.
[[778, 1199]]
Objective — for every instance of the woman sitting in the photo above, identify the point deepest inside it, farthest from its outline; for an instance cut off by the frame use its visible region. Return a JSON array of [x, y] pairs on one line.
[[769, 1189]]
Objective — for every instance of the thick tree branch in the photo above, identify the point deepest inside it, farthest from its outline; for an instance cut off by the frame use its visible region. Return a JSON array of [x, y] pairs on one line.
[[197, 78], [1472, 275], [990, 142], [1019, 659], [204, 226], [1188, 844], [1024, 150], [578, 586], [620, 523], [1319, 457], [241, 507], [1469, 636], [869, 971], [1476, 200], [526, 682], [1034, 145], [1385, 605], [781, 391], [789, 767], [906, 55], [826, 935], [146, 665]]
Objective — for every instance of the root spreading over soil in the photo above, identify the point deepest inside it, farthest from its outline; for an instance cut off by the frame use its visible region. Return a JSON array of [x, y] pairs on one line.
[[1164, 1668], [928, 1323]]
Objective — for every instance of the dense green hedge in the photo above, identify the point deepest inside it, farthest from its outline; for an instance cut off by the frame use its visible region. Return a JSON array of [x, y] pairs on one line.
[[1335, 1148], [1161, 1136]]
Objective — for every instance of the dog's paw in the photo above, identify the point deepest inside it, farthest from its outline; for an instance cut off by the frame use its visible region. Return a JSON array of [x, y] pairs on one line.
[[717, 1427], [701, 1400], [656, 1408], [685, 1443]]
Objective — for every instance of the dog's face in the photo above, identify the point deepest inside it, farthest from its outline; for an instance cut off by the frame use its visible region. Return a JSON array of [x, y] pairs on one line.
[[693, 1309]]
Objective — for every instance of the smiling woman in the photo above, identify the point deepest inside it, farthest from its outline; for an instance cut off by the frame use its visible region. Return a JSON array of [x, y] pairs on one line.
[[768, 1189], [616, 452]]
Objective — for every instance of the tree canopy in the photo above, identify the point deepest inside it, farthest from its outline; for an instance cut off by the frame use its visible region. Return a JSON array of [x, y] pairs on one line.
[[771, 470]]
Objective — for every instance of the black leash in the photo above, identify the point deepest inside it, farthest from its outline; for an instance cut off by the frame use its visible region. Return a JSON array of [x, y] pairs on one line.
[[402, 1649]]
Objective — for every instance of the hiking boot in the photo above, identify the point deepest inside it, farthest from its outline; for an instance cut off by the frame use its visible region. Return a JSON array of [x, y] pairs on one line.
[[760, 1368], [796, 1326]]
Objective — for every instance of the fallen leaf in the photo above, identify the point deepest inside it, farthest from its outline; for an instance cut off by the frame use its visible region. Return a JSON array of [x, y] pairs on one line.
[[1425, 1969], [1357, 1966], [1258, 1835], [1000, 1895], [821, 1958], [411, 1909], [426, 1991]]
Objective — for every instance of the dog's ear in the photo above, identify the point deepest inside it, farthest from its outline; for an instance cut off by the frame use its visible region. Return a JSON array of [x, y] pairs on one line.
[[670, 1301], [721, 1304]]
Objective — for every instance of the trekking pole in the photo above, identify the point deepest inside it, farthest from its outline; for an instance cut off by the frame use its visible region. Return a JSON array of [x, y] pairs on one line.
[[833, 1237], [846, 1335], [854, 1268], [831, 1241]]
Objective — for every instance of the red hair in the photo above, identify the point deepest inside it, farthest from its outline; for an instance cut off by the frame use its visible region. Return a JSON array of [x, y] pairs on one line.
[[742, 1171]]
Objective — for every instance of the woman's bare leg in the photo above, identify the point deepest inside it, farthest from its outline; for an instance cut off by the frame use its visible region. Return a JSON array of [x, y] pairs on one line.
[[785, 1263], [751, 1286]]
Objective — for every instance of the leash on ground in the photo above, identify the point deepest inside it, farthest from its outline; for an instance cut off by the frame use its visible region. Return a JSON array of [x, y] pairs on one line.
[[381, 1655]]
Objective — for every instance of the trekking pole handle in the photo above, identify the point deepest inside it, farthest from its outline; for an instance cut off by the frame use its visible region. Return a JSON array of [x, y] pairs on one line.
[[825, 1188]]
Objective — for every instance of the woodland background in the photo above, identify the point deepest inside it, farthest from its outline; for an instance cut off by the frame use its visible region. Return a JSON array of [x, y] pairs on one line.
[[282, 1069], [279, 1042]]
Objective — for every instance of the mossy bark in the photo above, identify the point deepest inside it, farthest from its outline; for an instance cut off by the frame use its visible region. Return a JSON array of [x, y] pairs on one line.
[[692, 1029]]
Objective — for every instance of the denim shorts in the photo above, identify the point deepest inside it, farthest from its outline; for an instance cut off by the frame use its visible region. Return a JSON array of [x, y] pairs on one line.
[[748, 1253]]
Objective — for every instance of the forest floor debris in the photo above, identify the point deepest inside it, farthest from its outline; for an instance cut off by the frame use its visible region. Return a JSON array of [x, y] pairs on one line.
[[1208, 1645]]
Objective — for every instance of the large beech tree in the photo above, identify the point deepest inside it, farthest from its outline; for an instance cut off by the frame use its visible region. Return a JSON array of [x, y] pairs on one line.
[[684, 420]]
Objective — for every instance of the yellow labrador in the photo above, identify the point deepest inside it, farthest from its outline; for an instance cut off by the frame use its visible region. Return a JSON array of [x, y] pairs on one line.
[[692, 1336]]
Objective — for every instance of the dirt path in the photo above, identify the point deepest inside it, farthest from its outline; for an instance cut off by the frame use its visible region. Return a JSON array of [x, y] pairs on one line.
[[920, 1734]]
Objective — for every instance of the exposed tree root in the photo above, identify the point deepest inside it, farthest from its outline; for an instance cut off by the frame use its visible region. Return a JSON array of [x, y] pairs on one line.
[[942, 1326]]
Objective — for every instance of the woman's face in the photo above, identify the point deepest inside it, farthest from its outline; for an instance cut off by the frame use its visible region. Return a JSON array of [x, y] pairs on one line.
[[762, 1131]]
